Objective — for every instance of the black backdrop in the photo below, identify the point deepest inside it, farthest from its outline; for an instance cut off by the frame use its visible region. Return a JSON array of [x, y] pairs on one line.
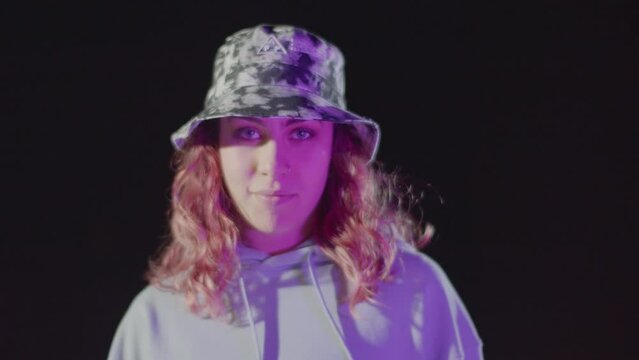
[[514, 112]]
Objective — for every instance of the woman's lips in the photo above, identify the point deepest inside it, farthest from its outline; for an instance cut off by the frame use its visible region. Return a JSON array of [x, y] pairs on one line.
[[272, 193], [275, 197]]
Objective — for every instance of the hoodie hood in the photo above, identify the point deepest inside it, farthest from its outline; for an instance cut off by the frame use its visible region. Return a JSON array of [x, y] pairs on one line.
[[252, 259]]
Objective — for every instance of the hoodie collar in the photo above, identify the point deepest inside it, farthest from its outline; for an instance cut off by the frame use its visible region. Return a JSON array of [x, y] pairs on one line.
[[251, 258]]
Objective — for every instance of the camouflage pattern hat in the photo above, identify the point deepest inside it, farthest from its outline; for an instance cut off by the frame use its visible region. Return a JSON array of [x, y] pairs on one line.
[[280, 71]]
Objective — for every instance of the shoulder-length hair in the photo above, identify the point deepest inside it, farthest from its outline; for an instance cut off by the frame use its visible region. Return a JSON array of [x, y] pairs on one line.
[[364, 212]]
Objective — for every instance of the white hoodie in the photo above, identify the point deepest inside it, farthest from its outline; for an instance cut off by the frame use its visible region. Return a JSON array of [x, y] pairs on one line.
[[286, 307]]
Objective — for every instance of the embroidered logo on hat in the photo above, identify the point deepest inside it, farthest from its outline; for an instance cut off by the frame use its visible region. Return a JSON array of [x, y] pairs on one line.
[[272, 45]]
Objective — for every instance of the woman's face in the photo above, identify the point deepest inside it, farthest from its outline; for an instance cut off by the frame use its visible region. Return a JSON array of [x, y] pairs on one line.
[[275, 169]]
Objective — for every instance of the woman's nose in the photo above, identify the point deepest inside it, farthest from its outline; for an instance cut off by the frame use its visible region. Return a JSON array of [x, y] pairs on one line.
[[273, 159]]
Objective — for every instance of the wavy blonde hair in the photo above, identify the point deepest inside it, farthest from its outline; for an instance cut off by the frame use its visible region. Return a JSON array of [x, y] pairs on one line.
[[365, 211]]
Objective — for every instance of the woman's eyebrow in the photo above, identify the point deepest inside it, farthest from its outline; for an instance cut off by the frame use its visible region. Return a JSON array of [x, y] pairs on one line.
[[289, 122]]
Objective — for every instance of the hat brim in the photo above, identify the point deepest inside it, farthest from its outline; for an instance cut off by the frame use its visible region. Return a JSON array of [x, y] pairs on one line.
[[280, 101]]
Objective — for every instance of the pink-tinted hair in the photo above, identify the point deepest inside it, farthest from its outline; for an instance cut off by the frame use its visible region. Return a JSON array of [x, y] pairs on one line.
[[364, 212]]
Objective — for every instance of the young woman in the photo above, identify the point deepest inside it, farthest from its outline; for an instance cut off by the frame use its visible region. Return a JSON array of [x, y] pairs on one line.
[[287, 240]]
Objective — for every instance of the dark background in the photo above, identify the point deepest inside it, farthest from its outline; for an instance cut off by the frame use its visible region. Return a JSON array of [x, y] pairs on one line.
[[517, 113]]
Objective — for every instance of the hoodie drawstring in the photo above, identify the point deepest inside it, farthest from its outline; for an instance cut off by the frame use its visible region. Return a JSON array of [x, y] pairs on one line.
[[256, 344], [318, 291], [326, 312]]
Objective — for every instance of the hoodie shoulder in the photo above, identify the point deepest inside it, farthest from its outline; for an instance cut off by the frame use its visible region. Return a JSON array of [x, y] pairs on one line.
[[440, 310], [410, 262], [152, 300], [136, 334]]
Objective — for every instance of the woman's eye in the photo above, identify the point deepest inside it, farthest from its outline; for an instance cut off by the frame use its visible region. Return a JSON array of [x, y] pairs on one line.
[[247, 133], [251, 133], [302, 134]]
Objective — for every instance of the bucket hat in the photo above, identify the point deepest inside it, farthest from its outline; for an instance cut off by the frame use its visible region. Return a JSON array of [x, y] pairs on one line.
[[280, 71]]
